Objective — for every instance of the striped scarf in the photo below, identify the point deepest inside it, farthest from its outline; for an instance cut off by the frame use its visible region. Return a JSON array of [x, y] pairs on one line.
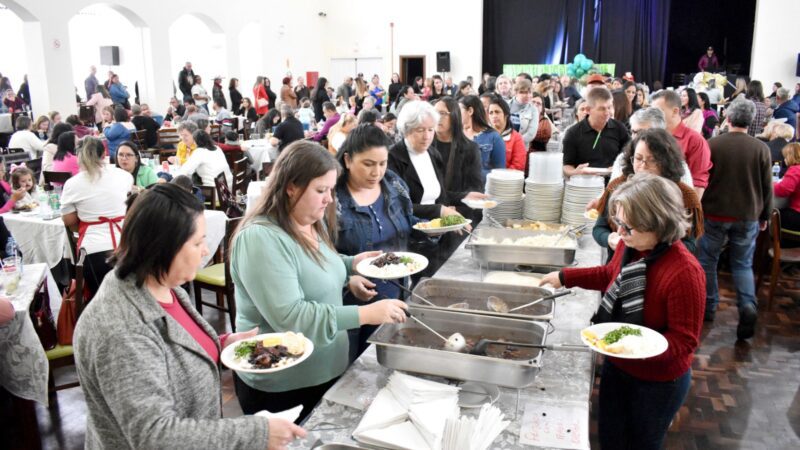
[[624, 300]]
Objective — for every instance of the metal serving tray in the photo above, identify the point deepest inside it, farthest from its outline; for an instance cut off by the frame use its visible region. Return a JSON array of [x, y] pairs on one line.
[[518, 254], [462, 366], [511, 223], [443, 293]]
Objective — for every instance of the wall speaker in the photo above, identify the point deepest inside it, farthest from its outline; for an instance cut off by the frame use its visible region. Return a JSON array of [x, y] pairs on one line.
[[443, 61], [109, 56], [797, 71]]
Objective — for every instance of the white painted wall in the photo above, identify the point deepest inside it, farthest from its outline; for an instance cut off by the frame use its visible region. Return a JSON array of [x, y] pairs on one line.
[[775, 42], [247, 38]]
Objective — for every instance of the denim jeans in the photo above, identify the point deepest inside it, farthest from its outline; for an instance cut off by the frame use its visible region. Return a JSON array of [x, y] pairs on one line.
[[741, 237], [635, 414]]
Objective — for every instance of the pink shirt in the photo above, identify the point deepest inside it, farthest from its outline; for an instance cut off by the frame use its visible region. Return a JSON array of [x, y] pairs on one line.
[[185, 320], [10, 203], [789, 186], [68, 164]]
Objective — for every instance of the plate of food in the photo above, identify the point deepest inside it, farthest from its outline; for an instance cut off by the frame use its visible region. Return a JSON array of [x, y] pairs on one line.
[[392, 265], [487, 203], [624, 340], [28, 207], [442, 224], [267, 353]]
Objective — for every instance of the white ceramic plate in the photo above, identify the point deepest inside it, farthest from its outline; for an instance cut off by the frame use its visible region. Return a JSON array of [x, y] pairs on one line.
[[441, 230], [488, 203], [656, 342], [228, 356], [366, 268]]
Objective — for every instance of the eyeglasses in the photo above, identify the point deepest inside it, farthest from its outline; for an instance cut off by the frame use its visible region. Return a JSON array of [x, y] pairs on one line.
[[620, 224], [422, 130], [125, 155], [645, 162]]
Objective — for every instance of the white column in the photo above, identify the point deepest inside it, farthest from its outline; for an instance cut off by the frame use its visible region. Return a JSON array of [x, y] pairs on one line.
[[232, 53], [49, 67], [160, 81]]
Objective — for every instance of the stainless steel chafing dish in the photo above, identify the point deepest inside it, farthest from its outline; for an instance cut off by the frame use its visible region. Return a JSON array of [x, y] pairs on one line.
[[444, 293], [518, 254], [523, 223], [420, 358]]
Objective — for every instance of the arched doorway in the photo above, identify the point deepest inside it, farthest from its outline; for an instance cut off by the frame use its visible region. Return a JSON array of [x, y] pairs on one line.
[[101, 26], [197, 38]]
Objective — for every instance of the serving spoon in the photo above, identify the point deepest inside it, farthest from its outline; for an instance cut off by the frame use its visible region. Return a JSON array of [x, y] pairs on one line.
[[499, 305], [482, 345], [455, 342]]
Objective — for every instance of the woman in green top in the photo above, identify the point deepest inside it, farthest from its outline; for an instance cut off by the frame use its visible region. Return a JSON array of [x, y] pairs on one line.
[[289, 277], [128, 159]]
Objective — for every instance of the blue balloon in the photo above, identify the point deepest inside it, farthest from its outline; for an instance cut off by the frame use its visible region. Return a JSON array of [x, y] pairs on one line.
[[580, 72], [586, 64], [579, 58]]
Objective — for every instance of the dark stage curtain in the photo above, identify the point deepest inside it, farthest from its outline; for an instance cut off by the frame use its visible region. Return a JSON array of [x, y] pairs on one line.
[[630, 33]]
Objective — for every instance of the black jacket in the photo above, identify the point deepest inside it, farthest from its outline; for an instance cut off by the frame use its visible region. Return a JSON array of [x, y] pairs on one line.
[[465, 175], [236, 101], [150, 125], [183, 82], [400, 163]]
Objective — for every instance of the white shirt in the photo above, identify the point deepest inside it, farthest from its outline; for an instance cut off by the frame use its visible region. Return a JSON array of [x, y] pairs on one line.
[[337, 140], [27, 140], [92, 199], [208, 164], [431, 189], [201, 91]]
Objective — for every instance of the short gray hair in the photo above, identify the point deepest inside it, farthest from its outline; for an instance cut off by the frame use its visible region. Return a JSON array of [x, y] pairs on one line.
[[369, 99], [741, 112], [187, 125], [286, 110], [671, 98], [783, 93], [412, 115], [652, 204], [652, 116], [136, 109]]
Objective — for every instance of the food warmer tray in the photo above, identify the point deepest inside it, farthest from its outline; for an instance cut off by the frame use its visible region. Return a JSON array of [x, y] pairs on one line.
[[518, 254], [443, 293], [512, 373], [551, 226]]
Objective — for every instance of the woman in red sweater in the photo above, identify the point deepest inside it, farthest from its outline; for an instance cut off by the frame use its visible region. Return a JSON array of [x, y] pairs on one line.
[[260, 97], [499, 115], [789, 187], [639, 397]]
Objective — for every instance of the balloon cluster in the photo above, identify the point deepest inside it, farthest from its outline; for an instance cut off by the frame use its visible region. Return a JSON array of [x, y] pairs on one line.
[[580, 66]]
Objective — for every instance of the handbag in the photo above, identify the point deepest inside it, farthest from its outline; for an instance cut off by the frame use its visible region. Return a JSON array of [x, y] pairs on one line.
[[42, 318], [68, 315], [262, 102]]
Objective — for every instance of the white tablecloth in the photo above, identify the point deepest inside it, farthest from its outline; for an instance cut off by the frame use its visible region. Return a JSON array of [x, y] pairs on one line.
[[23, 363], [254, 191], [45, 241], [5, 123], [261, 151], [41, 241]]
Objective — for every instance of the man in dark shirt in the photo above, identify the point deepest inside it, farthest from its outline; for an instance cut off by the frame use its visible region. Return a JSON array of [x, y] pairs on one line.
[[186, 80], [596, 140], [144, 122], [736, 204], [289, 130]]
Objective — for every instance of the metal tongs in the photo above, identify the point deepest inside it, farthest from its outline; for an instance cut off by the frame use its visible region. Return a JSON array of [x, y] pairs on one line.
[[572, 230]]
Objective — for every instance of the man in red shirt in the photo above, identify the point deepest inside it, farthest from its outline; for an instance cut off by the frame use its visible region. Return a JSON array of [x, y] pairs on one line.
[[694, 146]]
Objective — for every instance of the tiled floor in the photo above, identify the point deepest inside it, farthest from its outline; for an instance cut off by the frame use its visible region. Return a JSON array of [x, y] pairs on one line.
[[743, 395]]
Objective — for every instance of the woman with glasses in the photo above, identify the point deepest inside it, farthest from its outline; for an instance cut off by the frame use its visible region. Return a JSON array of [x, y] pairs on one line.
[[128, 159], [656, 152], [654, 281]]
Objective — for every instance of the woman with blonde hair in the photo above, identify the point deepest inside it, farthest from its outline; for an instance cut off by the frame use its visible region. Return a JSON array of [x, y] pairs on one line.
[[361, 92], [93, 203], [338, 133], [41, 127]]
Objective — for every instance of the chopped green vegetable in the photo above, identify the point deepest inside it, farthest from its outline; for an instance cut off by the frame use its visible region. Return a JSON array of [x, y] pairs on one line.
[[244, 349], [448, 221], [615, 335], [406, 260]]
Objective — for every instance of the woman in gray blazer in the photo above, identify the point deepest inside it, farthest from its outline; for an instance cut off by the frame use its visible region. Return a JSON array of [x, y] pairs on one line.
[[147, 361]]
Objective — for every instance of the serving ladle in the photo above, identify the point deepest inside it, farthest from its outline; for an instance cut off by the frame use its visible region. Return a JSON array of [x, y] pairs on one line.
[[499, 305], [481, 347], [455, 342]]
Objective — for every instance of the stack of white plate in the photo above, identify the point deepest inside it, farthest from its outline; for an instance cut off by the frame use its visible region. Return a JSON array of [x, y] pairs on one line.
[[543, 201], [505, 186], [579, 191]]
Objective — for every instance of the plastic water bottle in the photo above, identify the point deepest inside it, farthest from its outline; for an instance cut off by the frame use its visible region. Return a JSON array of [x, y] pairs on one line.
[[11, 246], [44, 205], [776, 171]]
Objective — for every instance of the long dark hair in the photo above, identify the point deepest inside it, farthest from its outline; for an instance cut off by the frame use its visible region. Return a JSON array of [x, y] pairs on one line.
[[706, 101], [500, 103], [401, 93], [66, 144], [478, 114], [164, 207], [58, 129], [755, 91], [136, 156], [665, 149], [692, 104], [203, 139], [458, 139], [298, 164], [360, 139], [320, 86]]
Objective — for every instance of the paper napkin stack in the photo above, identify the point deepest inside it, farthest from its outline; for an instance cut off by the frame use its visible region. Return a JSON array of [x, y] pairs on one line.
[[470, 433]]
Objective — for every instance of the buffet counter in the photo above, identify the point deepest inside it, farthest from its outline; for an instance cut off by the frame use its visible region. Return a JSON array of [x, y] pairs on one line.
[[565, 378]]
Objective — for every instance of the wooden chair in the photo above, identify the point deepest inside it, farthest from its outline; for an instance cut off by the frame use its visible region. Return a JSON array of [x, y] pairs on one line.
[[51, 177], [216, 133], [168, 138], [227, 199], [35, 165], [781, 257], [63, 355], [230, 124], [233, 156], [247, 128], [266, 169], [217, 278], [240, 176], [139, 137], [210, 195], [13, 151]]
